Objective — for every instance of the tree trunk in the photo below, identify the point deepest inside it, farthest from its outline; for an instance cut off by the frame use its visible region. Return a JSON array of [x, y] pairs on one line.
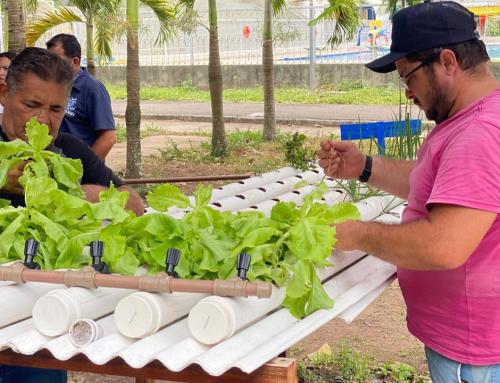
[[90, 46], [269, 131], [133, 111], [17, 26], [5, 26], [219, 144]]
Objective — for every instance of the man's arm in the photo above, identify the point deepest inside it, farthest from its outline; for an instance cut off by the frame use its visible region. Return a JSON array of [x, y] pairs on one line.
[[104, 142], [134, 202], [444, 240], [343, 159], [392, 176]]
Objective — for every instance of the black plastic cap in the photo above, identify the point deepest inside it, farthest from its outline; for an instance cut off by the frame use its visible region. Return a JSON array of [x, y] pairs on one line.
[[96, 249], [30, 251], [243, 264], [173, 257], [96, 252]]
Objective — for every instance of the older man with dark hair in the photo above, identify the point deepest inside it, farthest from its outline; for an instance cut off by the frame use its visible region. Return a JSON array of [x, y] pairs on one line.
[[38, 85], [448, 247], [88, 114]]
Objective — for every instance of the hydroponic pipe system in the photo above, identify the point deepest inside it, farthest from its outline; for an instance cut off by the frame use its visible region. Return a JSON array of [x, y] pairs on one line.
[[93, 277], [225, 177]]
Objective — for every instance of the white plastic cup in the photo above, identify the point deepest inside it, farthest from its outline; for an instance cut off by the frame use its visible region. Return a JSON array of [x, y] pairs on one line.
[[54, 312], [216, 318], [84, 331], [139, 314], [212, 320]]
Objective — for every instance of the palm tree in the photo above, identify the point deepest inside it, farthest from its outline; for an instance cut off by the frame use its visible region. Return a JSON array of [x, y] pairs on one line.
[[219, 143], [95, 16], [16, 25], [344, 12], [166, 16], [345, 15], [269, 131], [29, 5], [394, 5]]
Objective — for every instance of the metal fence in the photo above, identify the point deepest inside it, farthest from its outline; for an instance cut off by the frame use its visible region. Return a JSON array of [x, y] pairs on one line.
[[240, 39]]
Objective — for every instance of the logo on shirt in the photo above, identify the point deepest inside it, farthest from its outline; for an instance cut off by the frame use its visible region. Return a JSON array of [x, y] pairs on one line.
[[71, 106]]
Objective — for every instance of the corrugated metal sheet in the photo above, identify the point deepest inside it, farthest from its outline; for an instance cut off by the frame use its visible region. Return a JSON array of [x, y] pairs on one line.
[[358, 280]]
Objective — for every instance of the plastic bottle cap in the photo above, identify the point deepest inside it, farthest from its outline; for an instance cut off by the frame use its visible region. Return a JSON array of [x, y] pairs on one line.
[[54, 313], [84, 331], [137, 315], [212, 320]]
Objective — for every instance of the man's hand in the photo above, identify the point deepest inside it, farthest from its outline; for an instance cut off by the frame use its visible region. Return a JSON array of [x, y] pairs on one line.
[[13, 185], [134, 203], [345, 234], [341, 159]]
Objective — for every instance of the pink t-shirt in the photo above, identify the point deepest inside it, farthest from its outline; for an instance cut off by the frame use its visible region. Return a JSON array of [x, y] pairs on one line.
[[457, 312]]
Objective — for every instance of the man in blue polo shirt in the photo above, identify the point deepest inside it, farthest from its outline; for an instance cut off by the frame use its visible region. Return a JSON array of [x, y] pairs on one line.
[[88, 112]]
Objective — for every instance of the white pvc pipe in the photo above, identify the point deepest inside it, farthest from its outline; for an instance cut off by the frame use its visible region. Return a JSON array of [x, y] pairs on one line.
[[372, 207], [214, 318], [267, 191], [17, 300], [252, 183], [141, 314], [54, 312]]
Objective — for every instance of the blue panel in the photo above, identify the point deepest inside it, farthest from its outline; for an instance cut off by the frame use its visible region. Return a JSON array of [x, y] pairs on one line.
[[379, 130], [370, 129]]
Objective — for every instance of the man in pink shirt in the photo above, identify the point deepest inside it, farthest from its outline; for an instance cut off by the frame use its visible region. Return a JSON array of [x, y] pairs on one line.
[[447, 248]]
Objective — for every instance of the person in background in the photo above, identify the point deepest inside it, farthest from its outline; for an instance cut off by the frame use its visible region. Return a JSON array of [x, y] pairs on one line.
[[5, 60], [88, 114], [447, 248]]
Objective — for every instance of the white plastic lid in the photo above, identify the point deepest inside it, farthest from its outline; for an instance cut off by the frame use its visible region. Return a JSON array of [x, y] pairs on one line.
[[212, 320], [54, 313], [137, 315]]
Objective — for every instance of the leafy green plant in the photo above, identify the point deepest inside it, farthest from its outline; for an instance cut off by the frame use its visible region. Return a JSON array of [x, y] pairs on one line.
[[400, 373], [39, 162], [244, 139], [171, 152], [352, 365], [286, 248], [298, 154]]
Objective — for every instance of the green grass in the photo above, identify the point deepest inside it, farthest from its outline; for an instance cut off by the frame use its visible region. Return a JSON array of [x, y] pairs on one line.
[[342, 93]]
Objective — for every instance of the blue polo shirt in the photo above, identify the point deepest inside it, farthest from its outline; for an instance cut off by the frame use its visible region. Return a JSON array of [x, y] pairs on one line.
[[88, 109]]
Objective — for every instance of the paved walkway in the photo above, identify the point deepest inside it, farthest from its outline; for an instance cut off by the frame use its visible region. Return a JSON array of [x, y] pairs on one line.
[[294, 114]]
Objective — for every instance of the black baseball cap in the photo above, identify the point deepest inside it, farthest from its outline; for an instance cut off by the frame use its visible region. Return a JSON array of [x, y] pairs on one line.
[[425, 26]]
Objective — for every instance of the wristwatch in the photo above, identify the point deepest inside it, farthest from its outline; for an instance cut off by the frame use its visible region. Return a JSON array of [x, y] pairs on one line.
[[367, 170]]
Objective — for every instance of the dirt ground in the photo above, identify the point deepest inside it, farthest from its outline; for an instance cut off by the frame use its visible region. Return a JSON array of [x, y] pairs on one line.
[[379, 332]]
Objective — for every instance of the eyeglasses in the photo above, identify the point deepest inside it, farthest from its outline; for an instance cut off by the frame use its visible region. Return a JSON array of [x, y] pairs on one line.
[[404, 80]]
